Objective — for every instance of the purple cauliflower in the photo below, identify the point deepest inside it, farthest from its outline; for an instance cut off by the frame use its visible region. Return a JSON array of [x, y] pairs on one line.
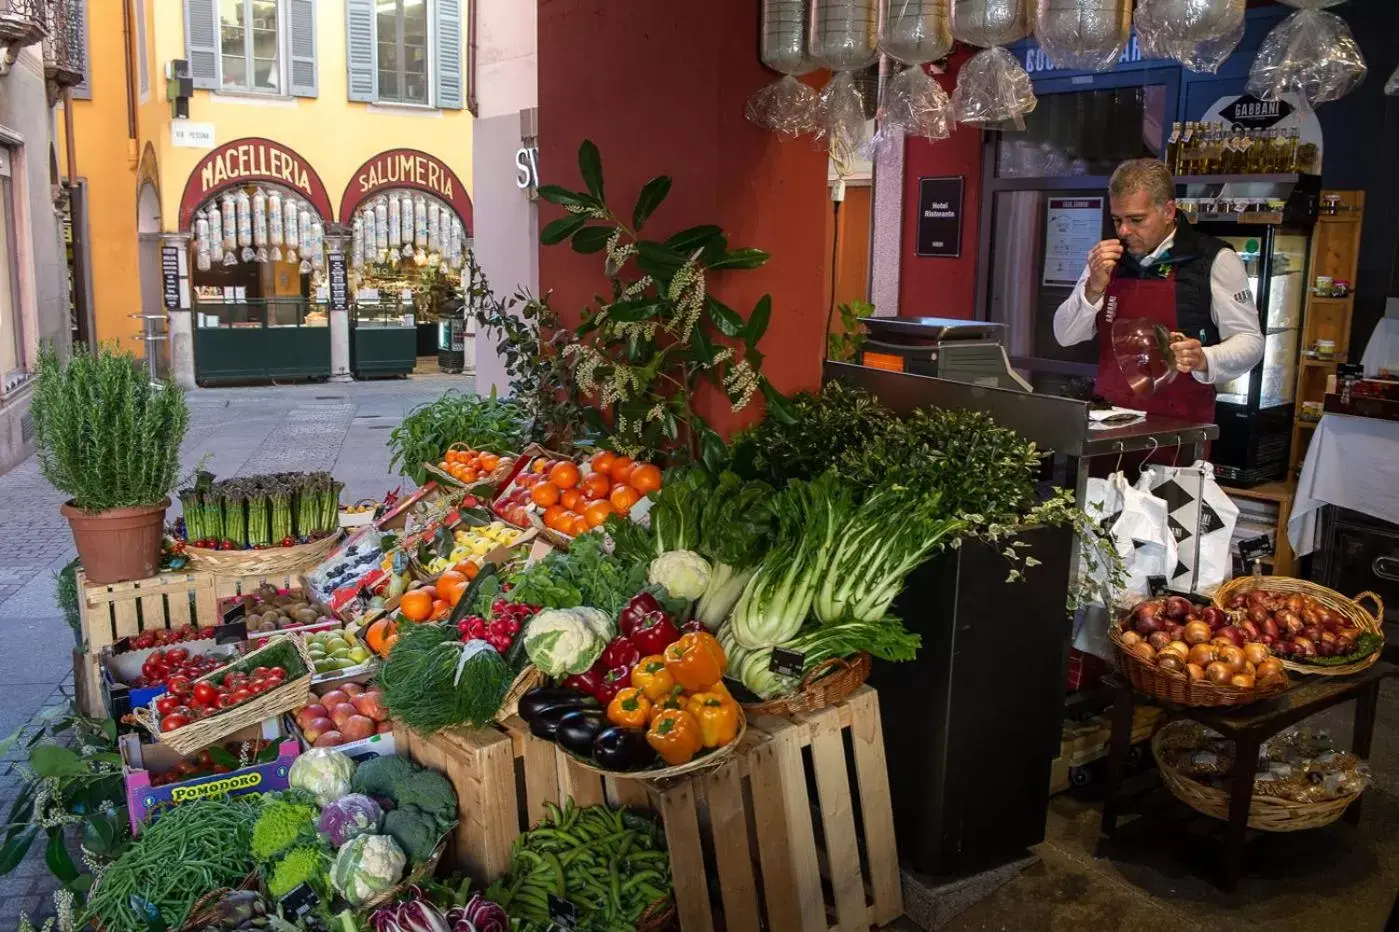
[[349, 816]]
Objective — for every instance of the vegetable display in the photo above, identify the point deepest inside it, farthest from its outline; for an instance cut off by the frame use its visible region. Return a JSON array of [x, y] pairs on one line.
[[342, 712], [610, 864], [273, 510], [366, 866], [572, 498], [273, 609], [324, 773], [348, 817], [586, 575], [432, 680], [1300, 628], [1187, 640], [484, 423]]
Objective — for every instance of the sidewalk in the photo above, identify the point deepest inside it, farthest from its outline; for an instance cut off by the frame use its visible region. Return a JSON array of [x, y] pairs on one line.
[[233, 431]]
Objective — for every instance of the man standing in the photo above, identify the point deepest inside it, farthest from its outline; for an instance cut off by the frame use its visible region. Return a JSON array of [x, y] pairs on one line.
[[1163, 269]]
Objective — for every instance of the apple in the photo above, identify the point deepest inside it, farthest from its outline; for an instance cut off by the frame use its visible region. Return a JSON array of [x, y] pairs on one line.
[[383, 728], [341, 712], [317, 727], [351, 689], [371, 704], [329, 740], [357, 727], [314, 710], [333, 698]]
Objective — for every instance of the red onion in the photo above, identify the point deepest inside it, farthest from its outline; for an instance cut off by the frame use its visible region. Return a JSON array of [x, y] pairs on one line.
[[1214, 617], [1235, 635], [1269, 628], [1177, 606]]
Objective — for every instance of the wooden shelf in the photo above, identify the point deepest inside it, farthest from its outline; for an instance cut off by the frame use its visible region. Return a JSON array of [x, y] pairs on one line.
[[1279, 491], [1327, 363], [1317, 299], [1306, 425], [1281, 494]]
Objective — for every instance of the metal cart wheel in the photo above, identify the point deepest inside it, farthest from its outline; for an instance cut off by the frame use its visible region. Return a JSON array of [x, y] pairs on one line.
[[1080, 776]]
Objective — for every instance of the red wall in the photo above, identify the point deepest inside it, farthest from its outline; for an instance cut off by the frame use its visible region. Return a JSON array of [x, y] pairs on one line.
[[931, 287], [660, 87]]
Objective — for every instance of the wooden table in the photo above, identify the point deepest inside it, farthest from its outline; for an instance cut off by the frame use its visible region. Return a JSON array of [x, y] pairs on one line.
[[1248, 727]]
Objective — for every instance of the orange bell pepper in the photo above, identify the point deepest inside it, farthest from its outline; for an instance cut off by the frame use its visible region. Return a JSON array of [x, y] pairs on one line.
[[651, 677], [717, 716], [629, 708], [675, 699], [676, 737], [696, 661]]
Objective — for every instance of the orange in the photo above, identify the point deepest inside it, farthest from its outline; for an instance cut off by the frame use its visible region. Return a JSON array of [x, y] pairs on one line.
[[416, 605], [596, 486], [377, 634], [444, 466], [598, 511], [623, 497], [564, 475], [553, 514], [440, 609], [468, 474], [621, 469], [545, 494], [489, 462], [540, 465], [577, 525], [645, 478], [451, 585], [602, 462], [450, 457], [571, 499]]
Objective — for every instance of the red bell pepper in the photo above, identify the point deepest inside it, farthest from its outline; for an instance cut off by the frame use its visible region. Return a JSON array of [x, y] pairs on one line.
[[614, 681], [623, 652], [640, 605], [586, 682], [653, 633]]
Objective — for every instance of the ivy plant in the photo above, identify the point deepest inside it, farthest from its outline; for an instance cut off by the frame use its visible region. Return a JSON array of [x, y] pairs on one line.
[[642, 352]]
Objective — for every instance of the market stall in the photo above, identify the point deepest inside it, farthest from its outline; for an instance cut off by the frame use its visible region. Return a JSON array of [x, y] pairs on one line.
[[257, 215]]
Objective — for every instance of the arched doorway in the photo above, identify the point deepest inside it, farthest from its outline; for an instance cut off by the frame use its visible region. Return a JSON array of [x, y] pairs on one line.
[[151, 316]]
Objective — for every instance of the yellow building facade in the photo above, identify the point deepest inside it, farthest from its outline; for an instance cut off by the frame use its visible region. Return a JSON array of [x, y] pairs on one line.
[[329, 105]]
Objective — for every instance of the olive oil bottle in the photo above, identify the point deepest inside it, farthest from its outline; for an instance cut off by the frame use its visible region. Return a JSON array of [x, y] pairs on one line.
[[1173, 148]]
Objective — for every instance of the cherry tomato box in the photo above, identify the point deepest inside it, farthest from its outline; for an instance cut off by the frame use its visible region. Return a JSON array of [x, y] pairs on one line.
[[133, 678]]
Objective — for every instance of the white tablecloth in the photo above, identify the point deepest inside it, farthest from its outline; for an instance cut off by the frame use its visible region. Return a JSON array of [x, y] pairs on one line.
[[1353, 462], [1382, 352]]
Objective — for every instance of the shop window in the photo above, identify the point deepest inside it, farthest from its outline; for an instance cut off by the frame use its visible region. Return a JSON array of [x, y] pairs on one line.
[[1085, 133], [252, 46], [11, 336], [406, 52]]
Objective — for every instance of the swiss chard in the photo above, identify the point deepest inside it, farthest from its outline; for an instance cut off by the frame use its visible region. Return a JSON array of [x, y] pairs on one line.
[[736, 530]]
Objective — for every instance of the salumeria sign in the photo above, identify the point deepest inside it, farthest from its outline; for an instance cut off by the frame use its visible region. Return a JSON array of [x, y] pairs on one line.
[[399, 168]]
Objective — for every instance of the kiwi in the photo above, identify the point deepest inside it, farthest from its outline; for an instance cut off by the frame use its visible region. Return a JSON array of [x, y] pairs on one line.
[[306, 616]]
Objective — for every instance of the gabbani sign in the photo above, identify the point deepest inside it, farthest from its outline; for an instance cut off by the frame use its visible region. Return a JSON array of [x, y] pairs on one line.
[[248, 161], [406, 168]]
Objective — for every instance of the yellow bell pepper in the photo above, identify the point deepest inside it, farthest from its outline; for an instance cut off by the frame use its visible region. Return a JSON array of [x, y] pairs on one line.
[[651, 677], [717, 716], [630, 709], [676, 737]]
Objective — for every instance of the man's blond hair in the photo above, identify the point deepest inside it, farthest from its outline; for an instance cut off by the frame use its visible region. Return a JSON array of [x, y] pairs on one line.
[[1147, 175]]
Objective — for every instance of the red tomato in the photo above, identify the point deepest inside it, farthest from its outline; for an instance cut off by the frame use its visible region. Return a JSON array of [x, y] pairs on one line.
[[171, 722], [205, 693], [260, 673], [258, 687], [226, 701], [178, 684], [276, 675], [176, 655], [241, 694], [234, 680], [167, 704]]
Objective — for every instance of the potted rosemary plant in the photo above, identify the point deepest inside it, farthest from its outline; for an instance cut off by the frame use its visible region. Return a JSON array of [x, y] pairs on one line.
[[110, 440]]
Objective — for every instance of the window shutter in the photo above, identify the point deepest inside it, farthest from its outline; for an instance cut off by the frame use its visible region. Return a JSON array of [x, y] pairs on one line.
[[301, 42], [447, 30], [143, 71], [202, 42], [83, 91], [361, 57]]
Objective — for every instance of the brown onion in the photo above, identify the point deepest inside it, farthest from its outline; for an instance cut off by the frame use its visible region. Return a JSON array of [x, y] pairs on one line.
[[1250, 630], [1295, 603], [1195, 671], [1270, 667], [1158, 640], [1242, 680], [1143, 650], [1170, 663], [1255, 653], [1233, 658], [1218, 673], [1180, 648], [1197, 632], [1202, 655], [1232, 634], [1130, 637]]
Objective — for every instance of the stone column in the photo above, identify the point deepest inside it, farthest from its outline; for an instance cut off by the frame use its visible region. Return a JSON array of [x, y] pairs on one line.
[[179, 330], [339, 319]]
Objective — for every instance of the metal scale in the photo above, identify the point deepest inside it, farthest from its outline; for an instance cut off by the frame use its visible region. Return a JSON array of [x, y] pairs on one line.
[[971, 351]]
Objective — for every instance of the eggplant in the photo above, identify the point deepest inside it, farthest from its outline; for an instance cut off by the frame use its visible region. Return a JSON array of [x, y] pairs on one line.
[[534, 702], [578, 729], [622, 749]]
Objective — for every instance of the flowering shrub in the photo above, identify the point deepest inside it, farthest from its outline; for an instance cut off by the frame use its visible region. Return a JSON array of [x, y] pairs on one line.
[[642, 353]]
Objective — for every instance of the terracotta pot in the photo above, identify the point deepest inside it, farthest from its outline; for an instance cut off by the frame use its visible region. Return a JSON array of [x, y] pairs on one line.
[[120, 544]]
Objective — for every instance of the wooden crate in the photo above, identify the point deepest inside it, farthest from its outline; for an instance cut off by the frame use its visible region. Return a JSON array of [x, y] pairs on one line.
[[779, 858], [169, 600], [1087, 741]]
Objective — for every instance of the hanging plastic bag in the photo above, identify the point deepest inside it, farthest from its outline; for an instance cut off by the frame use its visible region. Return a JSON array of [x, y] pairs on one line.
[[274, 224], [914, 32], [1200, 34], [844, 38], [1391, 86], [215, 233], [260, 224], [1201, 518], [230, 229], [993, 88], [304, 221], [405, 214], [357, 243], [1310, 55], [201, 241], [291, 228], [1084, 34], [787, 106]]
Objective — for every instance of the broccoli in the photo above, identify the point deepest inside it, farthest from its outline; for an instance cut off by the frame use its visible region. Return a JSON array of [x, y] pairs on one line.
[[301, 865], [279, 826], [380, 776], [431, 793], [415, 831]]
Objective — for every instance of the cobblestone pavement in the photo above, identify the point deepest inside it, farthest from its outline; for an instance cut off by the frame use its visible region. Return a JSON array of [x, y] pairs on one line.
[[233, 431]]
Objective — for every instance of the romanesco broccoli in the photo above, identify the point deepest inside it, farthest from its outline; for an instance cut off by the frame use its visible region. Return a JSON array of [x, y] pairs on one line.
[[301, 865], [279, 825]]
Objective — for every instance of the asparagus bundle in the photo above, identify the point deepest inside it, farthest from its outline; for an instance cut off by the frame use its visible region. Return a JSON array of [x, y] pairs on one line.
[[262, 511]]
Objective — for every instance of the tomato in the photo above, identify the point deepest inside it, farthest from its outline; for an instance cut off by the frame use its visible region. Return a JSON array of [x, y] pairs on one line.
[[621, 469], [178, 684], [241, 694], [173, 721], [276, 675], [176, 655], [260, 672], [226, 701], [623, 497], [564, 475], [602, 462], [546, 494], [595, 486], [571, 499], [234, 680], [167, 704], [645, 478], [416, 605], [205, 693], [153, 669], [258, 686]]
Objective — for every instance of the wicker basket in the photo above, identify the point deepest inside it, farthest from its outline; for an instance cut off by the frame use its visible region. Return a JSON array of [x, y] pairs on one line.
[[705, 762], [292, 694], [1265, 813], [270, 561], [1348, 608], [529, 678], [825, 684], [1179, 688], [421, 871], [495, 477]]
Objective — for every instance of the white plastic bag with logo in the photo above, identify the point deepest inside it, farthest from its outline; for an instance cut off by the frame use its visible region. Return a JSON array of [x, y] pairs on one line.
[[1201, 518], [1137, 527]]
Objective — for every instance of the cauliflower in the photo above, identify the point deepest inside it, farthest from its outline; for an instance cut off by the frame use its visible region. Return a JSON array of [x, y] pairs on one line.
[[368, 864], [279, 825], [602, 624], [561, 642], [683, 573], [325, 772], [349, 816], [301, 865]]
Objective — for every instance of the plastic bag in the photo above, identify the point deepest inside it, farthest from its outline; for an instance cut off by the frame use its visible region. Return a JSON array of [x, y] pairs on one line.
[[787, 106], [1201, 517], [844, 33], [993, 88], [840, 118], [915, 31], [991, 22], [1200, 34], [1311, 55], [1084, 34], [1391, 87], [914, 104]]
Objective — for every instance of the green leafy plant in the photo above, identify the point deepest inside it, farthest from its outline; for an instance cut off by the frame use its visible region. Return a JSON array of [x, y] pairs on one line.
[[643, 351], [65, 593], [106, 436], [531, 343], [843, 345], [482, 423]]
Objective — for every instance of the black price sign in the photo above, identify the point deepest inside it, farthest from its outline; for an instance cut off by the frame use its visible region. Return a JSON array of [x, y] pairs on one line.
[[787, 662], [1255, 548], [300, 901], [940, 217], [1350, 370], [1157, 585], [170, 277], [235, 626], [562, 913], [338, 282]]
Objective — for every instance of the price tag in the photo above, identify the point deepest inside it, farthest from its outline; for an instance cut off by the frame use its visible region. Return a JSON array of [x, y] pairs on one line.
[[1157, 585], [237, 612], [787, 662], [1255, 548], [562, 913], [1350, 370], [300, 901], [400, 562], [234, 633]]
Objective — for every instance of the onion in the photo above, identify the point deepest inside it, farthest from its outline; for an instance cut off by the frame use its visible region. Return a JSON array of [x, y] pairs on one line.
[[1143, 651], [1328, 637], [1269, 628], [1270, 667], [1177, 606], [1242, 680], [1256, 597], [1295, 603], [1344, 646], [1234, 635], [1130, 638], [1146, 626], [1250, 631], [1325, 649], [1197, 632], [1304, 647], [1158, 640], [1179, 648], [1202, 655], [1214, 617], [1311, 617], [1268, 639], [1258, 614], [1312, 632], [1195, 672], [1170, 663], [1177, 632], [1150, 609], [1233, 658], [1236, 601], [1218, 673], [1255, 653], [1250, 669]]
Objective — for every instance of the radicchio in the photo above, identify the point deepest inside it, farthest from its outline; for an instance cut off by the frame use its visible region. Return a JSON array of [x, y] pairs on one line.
[[478, 915]]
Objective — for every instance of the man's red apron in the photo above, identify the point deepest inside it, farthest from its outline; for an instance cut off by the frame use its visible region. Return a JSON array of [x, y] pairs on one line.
[[1152, 297]]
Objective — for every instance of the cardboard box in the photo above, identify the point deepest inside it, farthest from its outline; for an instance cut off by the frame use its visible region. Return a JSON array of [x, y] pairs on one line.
[[376, 745], [141, 763], [120, 666]]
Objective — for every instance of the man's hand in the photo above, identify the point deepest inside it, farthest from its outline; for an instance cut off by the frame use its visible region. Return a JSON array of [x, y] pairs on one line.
[[1102, 259], [1190, 356]]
